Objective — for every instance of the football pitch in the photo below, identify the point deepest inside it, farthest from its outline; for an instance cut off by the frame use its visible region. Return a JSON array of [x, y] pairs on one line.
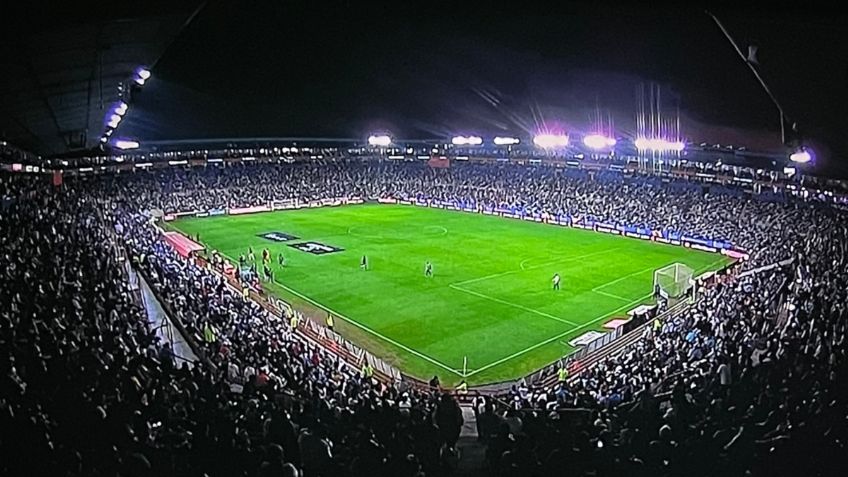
[[490, 298]]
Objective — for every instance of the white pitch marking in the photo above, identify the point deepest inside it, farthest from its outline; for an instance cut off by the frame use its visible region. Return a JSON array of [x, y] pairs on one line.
[[554, 338], [514, 305], [365, 328], [509, 272]]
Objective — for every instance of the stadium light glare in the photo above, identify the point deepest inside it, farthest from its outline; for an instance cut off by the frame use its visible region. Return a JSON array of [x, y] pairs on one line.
[[549, 141], [121, 109], [801, 156], [677, 146], [598, 141], [506, 141], [381, 140], [143, 73], [466, 140], [126, 144]]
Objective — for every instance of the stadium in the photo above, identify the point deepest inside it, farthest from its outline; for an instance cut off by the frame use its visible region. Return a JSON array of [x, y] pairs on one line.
[[621, 296]]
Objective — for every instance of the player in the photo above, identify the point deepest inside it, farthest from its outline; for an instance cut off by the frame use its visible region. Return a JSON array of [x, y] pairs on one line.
[[266, 256], [428, 269], [282, 260], [363, 264], [250, 255], [555, 280]]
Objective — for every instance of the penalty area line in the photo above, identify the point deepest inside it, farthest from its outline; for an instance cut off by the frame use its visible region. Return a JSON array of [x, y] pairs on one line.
[[514, 305], [365, 328], [566, 333], [554, 338]]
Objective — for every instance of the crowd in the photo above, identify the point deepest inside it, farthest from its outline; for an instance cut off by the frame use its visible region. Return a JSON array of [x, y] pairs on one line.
[[746, 383], [694, 209]]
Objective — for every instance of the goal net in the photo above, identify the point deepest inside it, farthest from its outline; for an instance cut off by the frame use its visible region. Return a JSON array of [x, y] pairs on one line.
[[673, 281]]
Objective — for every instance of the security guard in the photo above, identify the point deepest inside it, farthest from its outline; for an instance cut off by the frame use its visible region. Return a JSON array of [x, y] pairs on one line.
[[562, 374], [331, 322]]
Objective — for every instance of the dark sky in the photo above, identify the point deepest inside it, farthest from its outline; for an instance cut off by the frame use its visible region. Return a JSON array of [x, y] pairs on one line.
[[341, 69]]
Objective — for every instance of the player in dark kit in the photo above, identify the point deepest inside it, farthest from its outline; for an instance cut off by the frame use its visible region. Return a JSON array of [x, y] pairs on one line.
[[363, 264], [428, 269]]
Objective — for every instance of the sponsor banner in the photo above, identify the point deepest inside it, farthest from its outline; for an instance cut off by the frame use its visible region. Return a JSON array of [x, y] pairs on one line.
[[248, 210], [421, 203], [284, 204], [706, 243], [450, 207], [737, 254], [315, 203], [586, 338], [636, 235], [278, 236], [487, 212], [697, 246], [607, 230], [202, 214], [168, 217], [355, 200], [675, 242], [332, 202], [315, 248], [405, 202], [185, 214], [435, 205], [387, 200], [217, 212]]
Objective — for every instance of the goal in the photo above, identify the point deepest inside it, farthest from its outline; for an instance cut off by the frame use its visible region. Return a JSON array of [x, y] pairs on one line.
[[673, 281]]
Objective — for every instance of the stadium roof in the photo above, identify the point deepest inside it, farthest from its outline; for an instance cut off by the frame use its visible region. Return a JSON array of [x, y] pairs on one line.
[[61, 70]]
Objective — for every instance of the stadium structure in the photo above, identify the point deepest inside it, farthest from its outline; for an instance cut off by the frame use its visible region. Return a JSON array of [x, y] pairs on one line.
[[477, 304]]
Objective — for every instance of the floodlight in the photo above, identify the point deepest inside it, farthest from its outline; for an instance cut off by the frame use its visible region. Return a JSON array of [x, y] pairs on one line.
[[676, 146], [126, 144], [548, 141], [466, 140], [143, 73], [382, 140], [506, 141], [598, 141], [801, 156]]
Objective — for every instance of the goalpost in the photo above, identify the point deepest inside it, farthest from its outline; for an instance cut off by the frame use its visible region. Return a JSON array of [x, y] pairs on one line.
[[673, 281]]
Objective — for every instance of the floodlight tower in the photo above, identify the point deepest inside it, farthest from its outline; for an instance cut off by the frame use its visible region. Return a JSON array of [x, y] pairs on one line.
[[800, 154]]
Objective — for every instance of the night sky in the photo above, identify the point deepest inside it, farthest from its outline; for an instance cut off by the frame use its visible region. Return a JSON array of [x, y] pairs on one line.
[[339, 69]]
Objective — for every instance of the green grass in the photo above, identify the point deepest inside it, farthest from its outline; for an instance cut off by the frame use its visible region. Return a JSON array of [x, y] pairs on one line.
[[490, 298]]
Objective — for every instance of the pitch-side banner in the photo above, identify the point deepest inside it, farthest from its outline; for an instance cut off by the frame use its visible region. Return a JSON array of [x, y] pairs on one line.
[[248, 210]]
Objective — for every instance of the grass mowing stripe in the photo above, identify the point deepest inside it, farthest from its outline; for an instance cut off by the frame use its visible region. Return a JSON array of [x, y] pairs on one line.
[[589, 323], [362, 327], [554, 338], [521, 268], [514, 305], [429, 318]]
